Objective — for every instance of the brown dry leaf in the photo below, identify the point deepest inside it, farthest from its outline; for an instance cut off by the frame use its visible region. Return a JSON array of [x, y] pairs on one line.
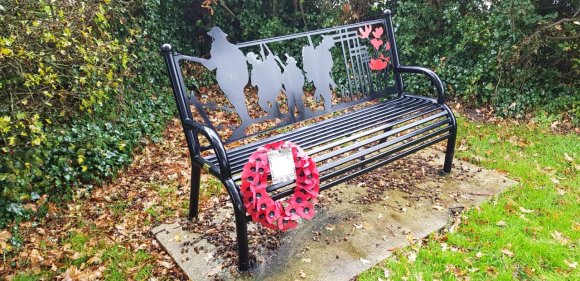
[[30, 206], [35, 257], [5, 235], [546, 170], [96, 259], [72, 273], [560, 237], [571, 264], [165, 264], [437, 207], [507, 253]]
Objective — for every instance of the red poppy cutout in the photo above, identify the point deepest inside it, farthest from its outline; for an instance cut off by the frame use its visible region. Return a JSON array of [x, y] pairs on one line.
[[261, 207], [364, 33], [378, 32], [381, 62], [377, 43]]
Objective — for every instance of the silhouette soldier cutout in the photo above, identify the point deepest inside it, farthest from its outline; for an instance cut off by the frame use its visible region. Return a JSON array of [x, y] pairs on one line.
[[267, 76], [231, 72], [293, 81], [318, 66]]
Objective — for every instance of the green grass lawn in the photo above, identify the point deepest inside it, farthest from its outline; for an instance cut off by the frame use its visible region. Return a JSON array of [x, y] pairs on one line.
[[530, 232]]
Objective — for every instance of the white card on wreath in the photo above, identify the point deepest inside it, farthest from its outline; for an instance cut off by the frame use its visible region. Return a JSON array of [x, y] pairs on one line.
[[281, 165]]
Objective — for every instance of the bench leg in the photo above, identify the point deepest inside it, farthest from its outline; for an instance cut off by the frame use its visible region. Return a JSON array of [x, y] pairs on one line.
[[194, 192], [242, 238], [450, 151], [241, 225]]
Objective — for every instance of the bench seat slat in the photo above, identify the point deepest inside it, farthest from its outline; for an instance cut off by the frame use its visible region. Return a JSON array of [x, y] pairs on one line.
[[347, 172], [364, 142], [417, 116], [383, 109], [306, 139], [306, 130]]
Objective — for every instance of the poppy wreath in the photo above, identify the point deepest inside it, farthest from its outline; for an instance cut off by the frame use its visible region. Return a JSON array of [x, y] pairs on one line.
[[261, 207]]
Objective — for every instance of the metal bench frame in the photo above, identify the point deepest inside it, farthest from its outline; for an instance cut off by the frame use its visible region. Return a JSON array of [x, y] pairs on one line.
[[355, 142]]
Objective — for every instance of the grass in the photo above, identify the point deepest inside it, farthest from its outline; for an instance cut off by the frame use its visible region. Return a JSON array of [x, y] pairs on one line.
[[123, 264], [530, 232], [119, 263]]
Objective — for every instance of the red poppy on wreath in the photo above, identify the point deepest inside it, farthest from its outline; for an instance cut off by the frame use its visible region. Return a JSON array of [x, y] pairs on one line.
[[261, 207]]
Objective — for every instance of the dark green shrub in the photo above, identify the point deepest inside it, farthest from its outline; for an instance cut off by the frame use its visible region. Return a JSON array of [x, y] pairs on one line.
[[104, 93], [516, 56]]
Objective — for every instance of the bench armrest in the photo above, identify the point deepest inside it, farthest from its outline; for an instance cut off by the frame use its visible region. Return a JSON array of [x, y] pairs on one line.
[[215, 143], [430, 74]]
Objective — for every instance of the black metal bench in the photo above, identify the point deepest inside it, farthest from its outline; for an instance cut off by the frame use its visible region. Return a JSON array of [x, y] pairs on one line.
[[370, 119]]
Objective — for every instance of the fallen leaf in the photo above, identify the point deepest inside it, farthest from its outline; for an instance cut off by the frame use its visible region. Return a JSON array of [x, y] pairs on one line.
[[501, 223], [507, 253], [5, 235], [364, 261], [77, 255], [302, 274], [527, 211], [35, 257], [560, 237], [71, 274], [307, 260], [165, 264], [387, 273], [358, 226], [479, 255], [560, 191], [571, 264], [412, 257], [437, 207], [568, 158]]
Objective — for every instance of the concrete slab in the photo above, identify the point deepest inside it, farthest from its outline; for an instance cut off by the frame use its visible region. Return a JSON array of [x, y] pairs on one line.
[[350, 233]]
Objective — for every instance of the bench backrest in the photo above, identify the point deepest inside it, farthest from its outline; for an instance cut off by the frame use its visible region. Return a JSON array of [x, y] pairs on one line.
[[270, 83]]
